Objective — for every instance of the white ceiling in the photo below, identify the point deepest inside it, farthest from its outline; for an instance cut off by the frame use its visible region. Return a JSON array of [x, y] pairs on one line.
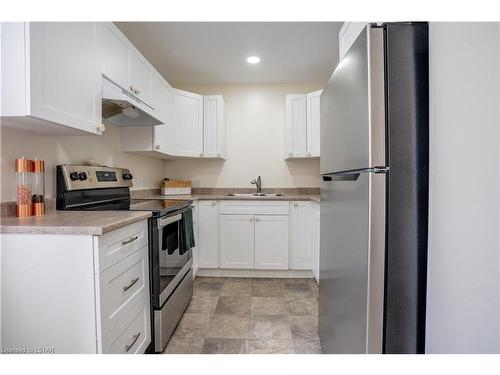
[[212, 53]]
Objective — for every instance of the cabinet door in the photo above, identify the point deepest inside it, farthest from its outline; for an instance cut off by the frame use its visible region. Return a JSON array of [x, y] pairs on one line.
[[141, 79], [208, 234], [65, 80], [116, 55], [163, 104], [316, 239], [237, 241], [196, 257], [271, 242], [296, 126], [213, 126], [313, 125], [188, 124], [301, 235]]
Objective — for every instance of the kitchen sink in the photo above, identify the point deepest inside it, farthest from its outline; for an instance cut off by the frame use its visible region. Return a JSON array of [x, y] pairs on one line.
[[253, 195]]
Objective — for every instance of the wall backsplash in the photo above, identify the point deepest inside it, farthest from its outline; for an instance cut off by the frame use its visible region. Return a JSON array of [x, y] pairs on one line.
[[72, 149], [255, 123], [255, 128]]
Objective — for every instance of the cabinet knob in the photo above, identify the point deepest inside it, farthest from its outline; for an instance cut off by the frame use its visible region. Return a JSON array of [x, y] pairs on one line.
[[201, 154], [295, 204], [131, 89], [251, 219], [137, 91], [257, 219], [157, 147], [308, 154], [213, 204], [218, 155], [101, 128]]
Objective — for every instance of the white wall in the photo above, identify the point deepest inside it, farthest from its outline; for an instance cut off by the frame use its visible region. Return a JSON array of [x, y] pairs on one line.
[[255, 122], [463, 286], [54, 150]]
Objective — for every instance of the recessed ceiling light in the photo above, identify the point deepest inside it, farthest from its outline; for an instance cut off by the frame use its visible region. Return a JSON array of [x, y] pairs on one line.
[[253, 59]]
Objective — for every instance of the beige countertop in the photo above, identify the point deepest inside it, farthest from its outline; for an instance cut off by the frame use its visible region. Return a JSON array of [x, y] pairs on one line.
[[72, 222], [195, 197]]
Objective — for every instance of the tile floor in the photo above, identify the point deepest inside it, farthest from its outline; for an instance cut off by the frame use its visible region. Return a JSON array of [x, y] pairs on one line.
[[245, 315]]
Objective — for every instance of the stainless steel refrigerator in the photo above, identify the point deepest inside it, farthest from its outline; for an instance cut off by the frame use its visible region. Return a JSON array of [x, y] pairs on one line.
[[374, 194]]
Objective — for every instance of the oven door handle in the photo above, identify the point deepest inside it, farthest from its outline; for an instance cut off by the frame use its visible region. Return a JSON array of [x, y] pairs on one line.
[[169, 220]]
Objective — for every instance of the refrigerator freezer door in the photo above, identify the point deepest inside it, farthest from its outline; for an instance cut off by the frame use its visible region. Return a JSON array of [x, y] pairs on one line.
[[352, 264], [352, 108]]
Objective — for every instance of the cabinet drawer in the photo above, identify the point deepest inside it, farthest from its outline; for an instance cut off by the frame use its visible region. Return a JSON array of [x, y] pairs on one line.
[[133, 334], [254, 208], [121, 287], [116, 245]]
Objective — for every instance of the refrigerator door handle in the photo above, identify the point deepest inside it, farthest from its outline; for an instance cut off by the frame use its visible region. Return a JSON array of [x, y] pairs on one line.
[[352, 175]]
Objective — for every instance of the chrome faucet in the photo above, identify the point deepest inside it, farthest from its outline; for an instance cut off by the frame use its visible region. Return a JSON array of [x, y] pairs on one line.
[[258, 183]]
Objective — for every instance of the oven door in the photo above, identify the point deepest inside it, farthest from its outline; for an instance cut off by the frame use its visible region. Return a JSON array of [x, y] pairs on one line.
[[173, 262]]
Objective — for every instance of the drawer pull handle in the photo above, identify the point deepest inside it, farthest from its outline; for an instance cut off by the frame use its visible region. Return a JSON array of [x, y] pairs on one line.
[[132, 239], [132, 283], [134, 339]]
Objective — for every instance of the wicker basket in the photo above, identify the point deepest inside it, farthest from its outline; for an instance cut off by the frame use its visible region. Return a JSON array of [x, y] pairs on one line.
[[175, 187]]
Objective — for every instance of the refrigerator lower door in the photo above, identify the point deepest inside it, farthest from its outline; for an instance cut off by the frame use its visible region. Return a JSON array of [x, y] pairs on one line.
[[351, 297]]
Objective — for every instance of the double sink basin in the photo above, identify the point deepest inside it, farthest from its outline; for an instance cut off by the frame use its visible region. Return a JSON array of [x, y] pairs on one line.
[[254, 195]]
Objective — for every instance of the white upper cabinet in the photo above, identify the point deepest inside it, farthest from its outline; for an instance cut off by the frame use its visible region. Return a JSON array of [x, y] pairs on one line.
[[141, 80], [188, 124], [116, 54], [124, 65], [302, 125], [296, 141], [50, 77], [348, 34], [214, 139], [313, 123], [301, 235], [271, 242]]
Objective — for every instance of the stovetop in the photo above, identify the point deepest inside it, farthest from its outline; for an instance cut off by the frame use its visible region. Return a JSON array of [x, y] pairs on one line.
[[158, 207]]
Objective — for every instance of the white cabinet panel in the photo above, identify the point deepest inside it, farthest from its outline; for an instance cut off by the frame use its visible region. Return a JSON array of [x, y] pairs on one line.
[[301, 235], [271, 242], [213, 127], [348, 34], [163, 95], [65, 80], [141, 79], [188, 124], [196, 257], [313, 123], [296, 142], [116, 55], [237, 241], [208, 234], [316, 239]]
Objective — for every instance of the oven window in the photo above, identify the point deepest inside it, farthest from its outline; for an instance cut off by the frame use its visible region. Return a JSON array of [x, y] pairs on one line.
[[171, 259]]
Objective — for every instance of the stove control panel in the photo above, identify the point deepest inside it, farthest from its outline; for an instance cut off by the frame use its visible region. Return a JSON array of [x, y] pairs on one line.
[[80, 177]]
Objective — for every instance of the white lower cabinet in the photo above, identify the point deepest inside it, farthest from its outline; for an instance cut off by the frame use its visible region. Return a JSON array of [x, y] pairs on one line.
[[301, 235], [271, 242], [315, 239], [208, 234], [237, 241], [77, 293], [196, 257]]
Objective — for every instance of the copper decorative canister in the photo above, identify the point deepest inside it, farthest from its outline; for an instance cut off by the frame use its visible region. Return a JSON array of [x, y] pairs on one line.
[[38, 188], [24, 169]]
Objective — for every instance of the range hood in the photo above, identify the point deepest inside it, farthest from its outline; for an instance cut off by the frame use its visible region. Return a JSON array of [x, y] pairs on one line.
[[119, 107]]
